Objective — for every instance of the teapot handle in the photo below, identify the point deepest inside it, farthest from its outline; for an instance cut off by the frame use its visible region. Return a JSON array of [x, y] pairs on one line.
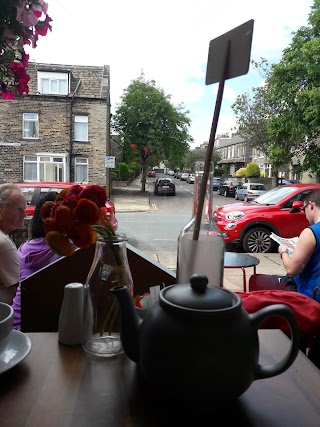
[[286, 312]]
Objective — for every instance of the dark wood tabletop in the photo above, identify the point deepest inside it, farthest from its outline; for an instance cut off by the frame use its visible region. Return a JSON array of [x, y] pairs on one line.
[[58, 386]]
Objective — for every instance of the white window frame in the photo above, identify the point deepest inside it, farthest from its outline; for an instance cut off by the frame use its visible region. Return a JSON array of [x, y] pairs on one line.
[[81, 128], [47, 164], [82, 162], [26, 128], [58, 83]]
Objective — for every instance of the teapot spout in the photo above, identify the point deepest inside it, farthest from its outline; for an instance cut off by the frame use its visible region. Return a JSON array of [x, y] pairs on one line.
[[130, 322]]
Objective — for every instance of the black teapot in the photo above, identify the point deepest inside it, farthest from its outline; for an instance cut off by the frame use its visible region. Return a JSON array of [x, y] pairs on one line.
[[197, 342]]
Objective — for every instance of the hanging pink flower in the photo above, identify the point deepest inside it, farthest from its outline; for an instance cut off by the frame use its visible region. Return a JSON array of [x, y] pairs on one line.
[[134, 146], [25, 21]]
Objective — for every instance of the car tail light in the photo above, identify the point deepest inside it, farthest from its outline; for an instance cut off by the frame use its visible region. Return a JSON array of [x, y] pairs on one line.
[[250, 192]]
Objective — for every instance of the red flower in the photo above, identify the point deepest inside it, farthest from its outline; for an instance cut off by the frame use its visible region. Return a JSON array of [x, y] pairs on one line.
[[86, 212], [96, 194], [134, 146]]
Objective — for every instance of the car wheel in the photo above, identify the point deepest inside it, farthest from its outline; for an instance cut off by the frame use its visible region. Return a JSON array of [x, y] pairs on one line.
[[225, 193], [257, 240]]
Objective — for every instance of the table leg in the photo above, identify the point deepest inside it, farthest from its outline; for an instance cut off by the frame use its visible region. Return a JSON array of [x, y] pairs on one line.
[[244, 279]]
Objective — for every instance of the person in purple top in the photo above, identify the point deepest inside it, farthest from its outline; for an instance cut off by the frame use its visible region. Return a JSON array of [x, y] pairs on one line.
[[33, 255]]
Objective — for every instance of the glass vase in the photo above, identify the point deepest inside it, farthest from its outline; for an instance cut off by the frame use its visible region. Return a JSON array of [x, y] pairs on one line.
[[205, 254], [100, 328]]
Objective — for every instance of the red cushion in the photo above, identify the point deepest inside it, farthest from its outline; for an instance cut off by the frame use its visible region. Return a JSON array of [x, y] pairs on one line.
[[305, 309]]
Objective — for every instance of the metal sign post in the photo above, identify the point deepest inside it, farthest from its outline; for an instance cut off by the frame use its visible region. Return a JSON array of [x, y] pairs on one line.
[[229, 56]]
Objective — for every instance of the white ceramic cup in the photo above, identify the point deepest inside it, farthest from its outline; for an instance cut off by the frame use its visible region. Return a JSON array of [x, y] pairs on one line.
[[6, 322]]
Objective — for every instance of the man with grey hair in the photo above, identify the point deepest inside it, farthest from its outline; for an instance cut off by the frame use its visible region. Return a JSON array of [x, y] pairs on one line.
[[12, 214]]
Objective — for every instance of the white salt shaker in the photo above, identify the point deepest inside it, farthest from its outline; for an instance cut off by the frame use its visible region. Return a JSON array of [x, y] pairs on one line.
[[70, 319]]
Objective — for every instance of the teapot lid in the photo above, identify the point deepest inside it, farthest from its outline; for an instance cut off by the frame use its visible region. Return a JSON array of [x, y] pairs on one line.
[[197, 295]]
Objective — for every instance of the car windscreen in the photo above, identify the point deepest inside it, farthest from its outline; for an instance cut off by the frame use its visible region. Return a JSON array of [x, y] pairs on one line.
[[275, 195]]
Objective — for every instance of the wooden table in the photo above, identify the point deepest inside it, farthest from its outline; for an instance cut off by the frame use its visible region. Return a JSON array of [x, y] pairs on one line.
[[58, 386], [243, 261]]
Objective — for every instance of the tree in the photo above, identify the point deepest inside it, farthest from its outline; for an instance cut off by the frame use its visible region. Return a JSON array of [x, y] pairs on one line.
[[253, 113], [294, 87], [151, 125], [252, 170], [193, 156]]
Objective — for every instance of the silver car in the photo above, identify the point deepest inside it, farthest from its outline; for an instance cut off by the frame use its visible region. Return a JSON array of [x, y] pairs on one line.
[[249, 191]]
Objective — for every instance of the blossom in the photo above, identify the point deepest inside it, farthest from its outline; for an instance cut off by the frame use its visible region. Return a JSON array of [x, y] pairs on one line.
[[22, 22], [75, 219]]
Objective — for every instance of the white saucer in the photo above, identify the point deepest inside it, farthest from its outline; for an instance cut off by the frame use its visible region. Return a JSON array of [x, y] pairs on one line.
[[18, 348]]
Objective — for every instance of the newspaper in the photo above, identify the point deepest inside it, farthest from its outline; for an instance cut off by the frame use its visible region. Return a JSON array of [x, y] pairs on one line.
[[289, 243]]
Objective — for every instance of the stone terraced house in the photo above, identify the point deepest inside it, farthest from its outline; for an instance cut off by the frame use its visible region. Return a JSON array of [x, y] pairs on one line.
[[60, 131]]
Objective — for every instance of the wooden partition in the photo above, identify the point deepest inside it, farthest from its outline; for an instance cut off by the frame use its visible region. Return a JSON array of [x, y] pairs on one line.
[[42, 292]]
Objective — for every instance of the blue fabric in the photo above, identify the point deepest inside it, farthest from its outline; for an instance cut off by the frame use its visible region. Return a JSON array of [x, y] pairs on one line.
[[310, 277]]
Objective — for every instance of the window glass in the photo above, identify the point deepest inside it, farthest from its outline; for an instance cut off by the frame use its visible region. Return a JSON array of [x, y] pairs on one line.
[[30, 125], [81, 128], [44, 168], [53, 83], [81, 170]]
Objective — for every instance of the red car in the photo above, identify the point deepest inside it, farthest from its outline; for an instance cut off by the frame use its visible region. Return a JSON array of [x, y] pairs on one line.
[[151, 174], [33, 191], [249, 224]]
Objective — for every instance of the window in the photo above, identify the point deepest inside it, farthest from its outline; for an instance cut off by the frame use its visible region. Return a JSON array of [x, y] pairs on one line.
[[81, 128], [81, 170], [30, 126], [47, 167], [53, 83]]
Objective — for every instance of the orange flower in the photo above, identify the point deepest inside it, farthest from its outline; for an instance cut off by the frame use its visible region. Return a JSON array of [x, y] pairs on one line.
[[86, 212], [45, 210], [63, 218], [59, 243], [49, 224], [62, 195], [82, 235]]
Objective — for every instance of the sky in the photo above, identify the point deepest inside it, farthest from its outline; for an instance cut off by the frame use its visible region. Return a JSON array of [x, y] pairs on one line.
[[168, 41]]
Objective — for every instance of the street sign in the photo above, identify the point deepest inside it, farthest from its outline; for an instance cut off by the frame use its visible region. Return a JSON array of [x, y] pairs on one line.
[[110, 162]]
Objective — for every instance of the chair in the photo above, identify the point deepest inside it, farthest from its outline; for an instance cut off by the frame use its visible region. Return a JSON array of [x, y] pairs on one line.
[[260, 282], [42, 292]]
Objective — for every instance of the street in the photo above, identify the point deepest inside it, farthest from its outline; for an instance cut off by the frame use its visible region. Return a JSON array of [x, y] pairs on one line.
[[157, 231]]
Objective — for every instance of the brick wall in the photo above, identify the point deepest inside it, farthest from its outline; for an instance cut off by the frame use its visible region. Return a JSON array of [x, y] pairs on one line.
[[54, 123]]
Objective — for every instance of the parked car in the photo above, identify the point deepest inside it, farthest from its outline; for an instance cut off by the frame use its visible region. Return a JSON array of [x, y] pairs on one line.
[[151, 174], [228, 188], [190, 179], [215, 183], [184, 176], [164, 186], [279, 211], [33, 191], [282, 181], [249, 191], [170, 173]]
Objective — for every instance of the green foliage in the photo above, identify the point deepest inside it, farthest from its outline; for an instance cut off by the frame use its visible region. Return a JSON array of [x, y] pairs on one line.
[[252, 170], [135, 167], [241, 172], [150, 125], [123, 172]]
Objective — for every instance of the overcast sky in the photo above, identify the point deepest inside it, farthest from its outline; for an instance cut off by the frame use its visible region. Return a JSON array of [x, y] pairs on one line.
[[168, 40]]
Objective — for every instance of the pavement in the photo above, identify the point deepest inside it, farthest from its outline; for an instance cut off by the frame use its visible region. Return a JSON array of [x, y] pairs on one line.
[[132, 199]]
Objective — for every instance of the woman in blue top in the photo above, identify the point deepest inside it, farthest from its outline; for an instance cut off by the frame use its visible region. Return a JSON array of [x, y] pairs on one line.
[[304, 264]]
